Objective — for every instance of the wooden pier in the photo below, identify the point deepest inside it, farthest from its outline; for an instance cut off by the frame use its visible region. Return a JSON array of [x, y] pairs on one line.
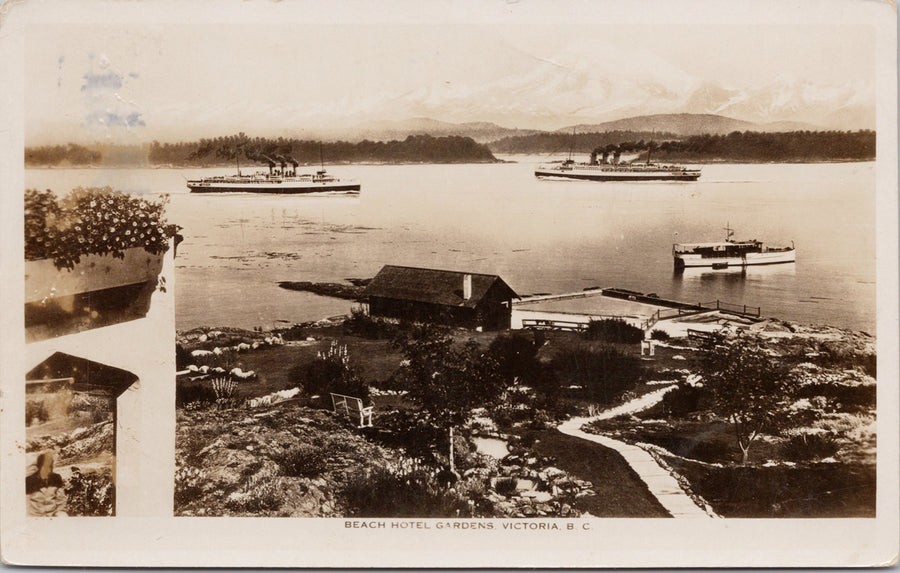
[[645, 317], [569, 295]]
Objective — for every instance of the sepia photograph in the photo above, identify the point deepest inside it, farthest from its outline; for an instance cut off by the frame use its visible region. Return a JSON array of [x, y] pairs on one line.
[[465, 270]]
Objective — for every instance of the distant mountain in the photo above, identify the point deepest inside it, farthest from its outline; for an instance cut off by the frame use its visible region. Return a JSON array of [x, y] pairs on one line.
[[685, 124], [385, 130]]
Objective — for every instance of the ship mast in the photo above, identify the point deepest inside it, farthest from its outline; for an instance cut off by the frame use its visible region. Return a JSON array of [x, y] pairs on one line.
[[729, 232], [572, 144]]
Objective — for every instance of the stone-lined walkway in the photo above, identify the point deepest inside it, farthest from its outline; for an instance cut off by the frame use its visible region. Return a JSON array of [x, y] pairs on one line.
[[661, 484]]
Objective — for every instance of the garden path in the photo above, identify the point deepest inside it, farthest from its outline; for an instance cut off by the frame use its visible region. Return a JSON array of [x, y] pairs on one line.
[[660, 482]]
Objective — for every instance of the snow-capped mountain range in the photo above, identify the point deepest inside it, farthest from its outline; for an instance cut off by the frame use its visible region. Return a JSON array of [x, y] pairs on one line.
[[590, 84]]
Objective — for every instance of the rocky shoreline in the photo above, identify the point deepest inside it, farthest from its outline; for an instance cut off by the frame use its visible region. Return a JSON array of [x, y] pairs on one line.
[[352, 291]]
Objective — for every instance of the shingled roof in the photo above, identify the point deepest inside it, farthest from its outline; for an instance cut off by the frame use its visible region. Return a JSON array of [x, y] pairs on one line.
[[432, 286]]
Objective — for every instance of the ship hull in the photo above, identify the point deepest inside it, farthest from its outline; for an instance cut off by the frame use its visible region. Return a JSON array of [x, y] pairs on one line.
[[272, 187], [690, 261], [618, 176]]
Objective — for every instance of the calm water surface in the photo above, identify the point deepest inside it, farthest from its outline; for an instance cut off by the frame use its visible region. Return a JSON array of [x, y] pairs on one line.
[[540, 236]]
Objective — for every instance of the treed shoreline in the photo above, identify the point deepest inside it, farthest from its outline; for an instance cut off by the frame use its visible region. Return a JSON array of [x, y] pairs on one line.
[[736, 147]]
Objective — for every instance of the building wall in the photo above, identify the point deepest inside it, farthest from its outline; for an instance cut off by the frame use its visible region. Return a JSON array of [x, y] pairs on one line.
[[145, 431], [422, 312]]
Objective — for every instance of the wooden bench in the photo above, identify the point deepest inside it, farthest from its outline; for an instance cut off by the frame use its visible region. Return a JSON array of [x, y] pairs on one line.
[[700, 335], [353, 407]]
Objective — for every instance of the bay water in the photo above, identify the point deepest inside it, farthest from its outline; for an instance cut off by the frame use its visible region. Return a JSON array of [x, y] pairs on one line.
[[539, 236]]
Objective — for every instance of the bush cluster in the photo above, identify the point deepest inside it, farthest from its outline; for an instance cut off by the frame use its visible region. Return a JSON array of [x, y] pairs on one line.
[[684, 400], [188, 485], [35, 411], [361, 324], [90, 494], [406, 491], [330, 371], [193, 392], [660, 335], [603, 374], [614, 330], [259, 495], [837, 355], [302, 460], [841, 397], [806, 447]]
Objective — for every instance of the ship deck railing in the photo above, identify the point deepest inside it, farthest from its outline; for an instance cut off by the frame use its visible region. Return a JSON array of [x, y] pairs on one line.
[[620, 167]]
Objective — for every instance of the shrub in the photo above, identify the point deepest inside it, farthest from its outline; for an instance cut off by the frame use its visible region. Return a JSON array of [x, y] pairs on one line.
[[614, 330], [193, 393], [808, 447], [359, 323], [602, 373], [35, 411], [408, 430], [188, 485], [660, 335], [839, 355], [260, 494], [95, 221], [183, 358], [516, 356], [841, 397], [406, 492], [90, 494], [319, 375], [302, 460], [330, 371], [685, 399]]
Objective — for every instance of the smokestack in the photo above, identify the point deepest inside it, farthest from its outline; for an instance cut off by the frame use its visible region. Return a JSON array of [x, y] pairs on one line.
[[467, 286]]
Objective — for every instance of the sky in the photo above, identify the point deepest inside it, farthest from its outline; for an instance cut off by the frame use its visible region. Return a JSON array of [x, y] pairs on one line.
[[136, 79]]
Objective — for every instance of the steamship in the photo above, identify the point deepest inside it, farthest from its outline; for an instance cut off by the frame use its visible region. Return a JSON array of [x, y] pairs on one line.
[[284, 180], [613, 170], [730, 254]]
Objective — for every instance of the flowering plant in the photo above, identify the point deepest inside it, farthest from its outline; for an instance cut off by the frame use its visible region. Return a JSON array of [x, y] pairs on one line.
[[92, 221]]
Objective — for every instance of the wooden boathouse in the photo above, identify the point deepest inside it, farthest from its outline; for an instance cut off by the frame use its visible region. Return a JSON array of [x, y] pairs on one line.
[[453, 298]]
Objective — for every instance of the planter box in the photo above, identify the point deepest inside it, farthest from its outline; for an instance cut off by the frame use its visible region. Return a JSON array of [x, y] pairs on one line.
[[95, 272], [100, 291]]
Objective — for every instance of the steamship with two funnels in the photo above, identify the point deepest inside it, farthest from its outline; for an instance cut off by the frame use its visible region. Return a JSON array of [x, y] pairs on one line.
[[730, 254], [610, 169], [284, 180]]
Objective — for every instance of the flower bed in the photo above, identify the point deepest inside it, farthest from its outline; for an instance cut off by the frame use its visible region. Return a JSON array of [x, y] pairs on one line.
[[92, 221]]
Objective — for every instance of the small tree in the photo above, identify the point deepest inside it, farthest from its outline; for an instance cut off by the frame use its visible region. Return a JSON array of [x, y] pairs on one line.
[[749, 387], [447, 381]]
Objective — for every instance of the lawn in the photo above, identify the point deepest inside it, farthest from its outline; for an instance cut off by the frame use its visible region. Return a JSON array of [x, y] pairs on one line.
[[620, 492]]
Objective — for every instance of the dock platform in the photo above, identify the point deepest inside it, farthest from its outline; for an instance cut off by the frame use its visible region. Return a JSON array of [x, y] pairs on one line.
[[573, 311]]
